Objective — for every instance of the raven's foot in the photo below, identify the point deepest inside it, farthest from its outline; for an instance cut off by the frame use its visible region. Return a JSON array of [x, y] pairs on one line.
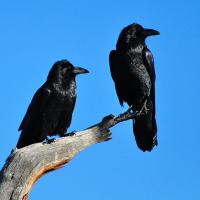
[[70, 134], [129, 111], [48, 140]]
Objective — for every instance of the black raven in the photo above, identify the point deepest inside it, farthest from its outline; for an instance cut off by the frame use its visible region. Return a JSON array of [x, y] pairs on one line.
[[132, 69], [50, 111]]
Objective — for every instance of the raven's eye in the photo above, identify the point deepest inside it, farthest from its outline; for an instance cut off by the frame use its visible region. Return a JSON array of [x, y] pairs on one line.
[[132, 32], [138, 30]]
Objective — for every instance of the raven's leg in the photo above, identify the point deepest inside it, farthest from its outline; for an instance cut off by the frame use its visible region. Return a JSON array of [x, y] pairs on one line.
[[144, 109], [129, 111], [62, 132], [48, 140]]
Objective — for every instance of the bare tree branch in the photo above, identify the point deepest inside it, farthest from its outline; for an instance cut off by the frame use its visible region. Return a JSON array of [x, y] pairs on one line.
[[25, 166]]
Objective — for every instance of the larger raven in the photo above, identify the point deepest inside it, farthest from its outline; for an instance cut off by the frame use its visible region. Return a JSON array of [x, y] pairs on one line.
[[132, 69], [50, 111]]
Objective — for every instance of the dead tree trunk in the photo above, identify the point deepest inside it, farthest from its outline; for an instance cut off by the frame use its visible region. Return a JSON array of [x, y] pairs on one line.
[[24, 166]]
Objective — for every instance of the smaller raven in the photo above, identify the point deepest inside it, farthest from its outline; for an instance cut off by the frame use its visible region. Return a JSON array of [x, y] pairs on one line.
[[132, 69], [50, 111]]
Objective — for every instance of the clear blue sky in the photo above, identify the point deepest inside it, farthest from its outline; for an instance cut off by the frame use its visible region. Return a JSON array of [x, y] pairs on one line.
[[35, 34]]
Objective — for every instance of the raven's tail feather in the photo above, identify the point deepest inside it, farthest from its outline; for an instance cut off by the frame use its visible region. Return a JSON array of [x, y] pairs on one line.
[[145, 129]]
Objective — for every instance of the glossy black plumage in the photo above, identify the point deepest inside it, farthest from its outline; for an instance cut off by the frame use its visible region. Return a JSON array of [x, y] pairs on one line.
[[50, 111], [132, 69]]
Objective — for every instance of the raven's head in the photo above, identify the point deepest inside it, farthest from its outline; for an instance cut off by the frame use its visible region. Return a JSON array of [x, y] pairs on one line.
[[134, 33], [63, 70]]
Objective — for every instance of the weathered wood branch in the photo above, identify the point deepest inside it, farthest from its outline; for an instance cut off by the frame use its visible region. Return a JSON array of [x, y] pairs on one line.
[[25, 166]]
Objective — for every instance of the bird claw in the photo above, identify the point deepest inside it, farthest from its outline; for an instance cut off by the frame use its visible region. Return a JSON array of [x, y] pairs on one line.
[[49, 141], [70, 134], [129, 111]]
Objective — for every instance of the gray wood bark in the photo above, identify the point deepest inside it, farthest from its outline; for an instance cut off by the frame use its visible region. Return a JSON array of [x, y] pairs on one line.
[[25, 166]]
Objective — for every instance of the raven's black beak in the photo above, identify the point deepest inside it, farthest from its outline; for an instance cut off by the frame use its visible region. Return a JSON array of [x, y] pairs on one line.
[[80, 70], [148, 32]]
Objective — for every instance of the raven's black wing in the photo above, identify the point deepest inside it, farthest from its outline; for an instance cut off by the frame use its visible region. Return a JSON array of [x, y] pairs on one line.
[[36, 107], [31, 126], [149, 64], [114, 60]]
